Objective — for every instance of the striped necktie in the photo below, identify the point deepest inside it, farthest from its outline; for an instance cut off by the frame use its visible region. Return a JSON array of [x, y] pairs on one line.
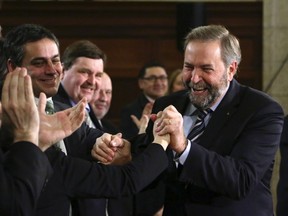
[[199, 126]]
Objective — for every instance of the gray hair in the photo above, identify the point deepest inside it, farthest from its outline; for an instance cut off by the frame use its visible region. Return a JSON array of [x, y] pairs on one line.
[[230, 47]]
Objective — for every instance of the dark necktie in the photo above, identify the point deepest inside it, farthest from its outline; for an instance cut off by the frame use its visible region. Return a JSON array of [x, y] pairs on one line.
[[196, 131], [199, 126]]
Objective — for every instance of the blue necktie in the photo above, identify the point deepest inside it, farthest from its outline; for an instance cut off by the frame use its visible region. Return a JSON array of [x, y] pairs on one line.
[[199, 126]]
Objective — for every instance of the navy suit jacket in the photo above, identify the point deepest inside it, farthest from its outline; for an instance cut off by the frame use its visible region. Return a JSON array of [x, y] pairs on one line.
[[228, 171], [24, 172]]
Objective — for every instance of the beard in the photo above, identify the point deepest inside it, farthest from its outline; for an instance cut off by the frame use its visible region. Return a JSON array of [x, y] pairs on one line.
[[212, 92]]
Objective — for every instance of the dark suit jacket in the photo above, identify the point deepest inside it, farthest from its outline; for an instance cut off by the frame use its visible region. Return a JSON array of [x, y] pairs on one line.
[[118, 207], [127, 126], [24, 172], [228, 171], [282, 187], [88, 207], [76, 178], [83, 207], [107, 126], [79, 143]]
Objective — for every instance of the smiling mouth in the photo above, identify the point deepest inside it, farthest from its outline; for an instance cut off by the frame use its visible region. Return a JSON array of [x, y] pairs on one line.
[[48, 81], [199, 90], [90, 90]]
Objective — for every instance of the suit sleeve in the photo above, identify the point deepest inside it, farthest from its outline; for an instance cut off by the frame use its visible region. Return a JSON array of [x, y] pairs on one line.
[[24, 171], [93, 180], [282, 187]]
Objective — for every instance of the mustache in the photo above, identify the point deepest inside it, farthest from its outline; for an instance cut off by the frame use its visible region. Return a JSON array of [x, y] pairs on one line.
[[86, 85], [199, 85]]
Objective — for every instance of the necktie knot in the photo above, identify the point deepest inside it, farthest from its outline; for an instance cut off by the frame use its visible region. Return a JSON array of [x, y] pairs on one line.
[[49, 109], [199, 126], [203, 113]]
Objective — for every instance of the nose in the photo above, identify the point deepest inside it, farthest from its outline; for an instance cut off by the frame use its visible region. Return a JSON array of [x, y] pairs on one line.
[[196, 76], [51, 68], [102, 95], [91, 79]]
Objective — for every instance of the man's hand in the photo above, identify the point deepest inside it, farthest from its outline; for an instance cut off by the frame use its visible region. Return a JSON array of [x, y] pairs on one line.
[[19, 111], [170, 121], [143, 122], [112, 149], [56, 127]]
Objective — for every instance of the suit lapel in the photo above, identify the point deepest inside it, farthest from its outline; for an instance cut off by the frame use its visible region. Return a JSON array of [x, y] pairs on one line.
[[222, 114], [94, 119]]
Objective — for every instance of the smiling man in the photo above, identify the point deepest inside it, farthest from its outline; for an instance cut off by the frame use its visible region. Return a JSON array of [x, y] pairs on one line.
[[220, 163], [83, 66], [37, 49], [153, 83]]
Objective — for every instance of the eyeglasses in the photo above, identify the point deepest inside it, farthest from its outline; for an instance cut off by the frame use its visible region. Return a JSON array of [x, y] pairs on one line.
[[154, 78]]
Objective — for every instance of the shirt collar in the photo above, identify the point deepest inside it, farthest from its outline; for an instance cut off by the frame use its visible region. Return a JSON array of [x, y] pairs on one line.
[[48, 99], [73, 104]]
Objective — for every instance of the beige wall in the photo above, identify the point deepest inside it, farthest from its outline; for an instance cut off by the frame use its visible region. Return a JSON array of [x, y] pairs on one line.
[[275, 63]]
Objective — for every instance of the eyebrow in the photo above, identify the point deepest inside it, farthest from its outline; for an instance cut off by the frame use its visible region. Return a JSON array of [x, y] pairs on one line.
[[43, 58]]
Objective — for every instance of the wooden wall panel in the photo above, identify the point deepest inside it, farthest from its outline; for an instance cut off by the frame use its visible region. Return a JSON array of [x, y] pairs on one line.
[[134, 33]]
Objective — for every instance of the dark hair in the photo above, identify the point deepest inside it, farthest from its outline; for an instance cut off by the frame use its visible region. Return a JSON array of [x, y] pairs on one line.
[[82, 48], [230, 47], [3, 67], [142, 71], [16, 39]]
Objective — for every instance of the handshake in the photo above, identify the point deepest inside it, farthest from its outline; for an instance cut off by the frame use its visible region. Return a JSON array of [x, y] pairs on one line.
[[167, 131]]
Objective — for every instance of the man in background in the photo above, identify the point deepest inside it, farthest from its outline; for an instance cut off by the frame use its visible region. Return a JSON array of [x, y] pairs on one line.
[[153, 82], [100, 105]]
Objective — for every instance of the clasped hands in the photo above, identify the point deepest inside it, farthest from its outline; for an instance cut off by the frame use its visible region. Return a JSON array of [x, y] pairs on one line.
[[167, 130]]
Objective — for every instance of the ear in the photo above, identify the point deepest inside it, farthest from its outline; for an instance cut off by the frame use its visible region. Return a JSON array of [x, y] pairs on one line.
[[62, 74], [10, 65], [232, 70]]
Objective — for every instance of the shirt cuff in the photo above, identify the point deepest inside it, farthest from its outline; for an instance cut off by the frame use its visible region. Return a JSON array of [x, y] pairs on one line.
[[182, 158]]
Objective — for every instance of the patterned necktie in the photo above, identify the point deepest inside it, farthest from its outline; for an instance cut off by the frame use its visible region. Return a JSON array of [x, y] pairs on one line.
[[49, 109], [199, 126]]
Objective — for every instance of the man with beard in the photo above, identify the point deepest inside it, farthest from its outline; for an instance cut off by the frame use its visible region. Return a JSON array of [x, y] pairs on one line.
[[225, 169]]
